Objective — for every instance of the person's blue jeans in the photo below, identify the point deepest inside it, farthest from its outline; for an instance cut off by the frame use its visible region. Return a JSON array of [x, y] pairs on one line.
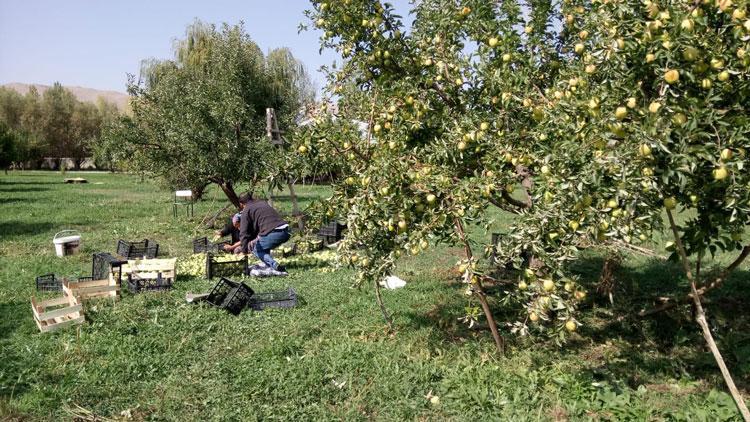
[[270, 241]]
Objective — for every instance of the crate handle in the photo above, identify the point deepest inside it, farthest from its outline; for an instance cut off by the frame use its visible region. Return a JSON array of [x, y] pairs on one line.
[[66, 231]]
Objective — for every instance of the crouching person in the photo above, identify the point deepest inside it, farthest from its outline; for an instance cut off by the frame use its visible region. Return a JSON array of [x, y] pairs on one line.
[[233, 230], [261, 230]]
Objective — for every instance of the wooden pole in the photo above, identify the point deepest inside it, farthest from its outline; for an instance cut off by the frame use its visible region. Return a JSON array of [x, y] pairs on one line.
[[700, 318]]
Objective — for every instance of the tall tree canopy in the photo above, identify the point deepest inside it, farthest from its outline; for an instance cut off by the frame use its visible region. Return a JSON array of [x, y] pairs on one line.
[[200, 117]]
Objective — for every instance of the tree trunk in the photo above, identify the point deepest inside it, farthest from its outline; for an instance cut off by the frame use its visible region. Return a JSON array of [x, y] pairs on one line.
[[499, 341], [230, 193], [295, 207]]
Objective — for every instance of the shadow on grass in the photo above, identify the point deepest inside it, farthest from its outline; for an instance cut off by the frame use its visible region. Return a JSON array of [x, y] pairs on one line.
[[623, 346], [15, 228], [20, 189], [10, 200]]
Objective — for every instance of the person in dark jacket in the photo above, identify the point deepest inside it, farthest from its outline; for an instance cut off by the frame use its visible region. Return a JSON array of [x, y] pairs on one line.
[[261, 230], [232, 229]]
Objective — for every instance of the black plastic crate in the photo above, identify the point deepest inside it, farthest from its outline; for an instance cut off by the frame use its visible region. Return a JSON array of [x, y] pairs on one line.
[[332, 232], [230, 296], [138, 285], [278, 299], [132, 250], [203, 245], [215, 268], [48, 283], [84, 278], [102, 263]]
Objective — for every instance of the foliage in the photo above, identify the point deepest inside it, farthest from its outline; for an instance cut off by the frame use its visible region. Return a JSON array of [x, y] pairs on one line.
[[603, 112], [54, 124], [200, 118]]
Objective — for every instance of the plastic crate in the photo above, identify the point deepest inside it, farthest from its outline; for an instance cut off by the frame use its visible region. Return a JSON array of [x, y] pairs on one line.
[[215, 268], [278, 299], [132, 250], [203, 245], [230, 296], [48, 283], [103, 263], [332, 232], [137, 284]]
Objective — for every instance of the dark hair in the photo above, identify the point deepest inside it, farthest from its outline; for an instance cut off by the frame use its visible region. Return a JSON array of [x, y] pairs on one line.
[[246, 197]]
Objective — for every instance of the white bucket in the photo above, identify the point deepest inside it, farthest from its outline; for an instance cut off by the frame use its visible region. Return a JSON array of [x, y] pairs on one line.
[[68, 244]]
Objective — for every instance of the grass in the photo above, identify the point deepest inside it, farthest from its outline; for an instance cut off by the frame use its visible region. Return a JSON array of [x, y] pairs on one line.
[[152, 356]]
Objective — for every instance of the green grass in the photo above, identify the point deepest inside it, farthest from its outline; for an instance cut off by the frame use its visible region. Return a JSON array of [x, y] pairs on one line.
[[154, 357]]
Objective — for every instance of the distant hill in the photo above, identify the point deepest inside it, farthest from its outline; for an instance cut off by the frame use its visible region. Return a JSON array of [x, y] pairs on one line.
[[83, 94]]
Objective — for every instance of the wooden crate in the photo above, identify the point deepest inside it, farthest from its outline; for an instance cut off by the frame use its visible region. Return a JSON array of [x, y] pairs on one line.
[[53, 314], [150, 274], [85, 290]]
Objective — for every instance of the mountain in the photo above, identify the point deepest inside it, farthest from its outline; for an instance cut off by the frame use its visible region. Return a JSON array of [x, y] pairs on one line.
[[81, 93]]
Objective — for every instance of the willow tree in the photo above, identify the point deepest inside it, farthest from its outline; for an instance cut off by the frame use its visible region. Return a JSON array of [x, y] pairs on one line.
[[200, 117]]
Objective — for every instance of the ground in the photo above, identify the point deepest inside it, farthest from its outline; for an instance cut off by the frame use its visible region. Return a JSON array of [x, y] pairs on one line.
[[152, 356]]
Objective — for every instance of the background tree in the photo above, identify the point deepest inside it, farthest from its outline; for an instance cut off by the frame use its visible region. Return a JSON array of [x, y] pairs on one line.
[[200, 118]]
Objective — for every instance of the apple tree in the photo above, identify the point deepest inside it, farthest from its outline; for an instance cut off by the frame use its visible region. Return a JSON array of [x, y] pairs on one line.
[[201, 117], [456, 112]]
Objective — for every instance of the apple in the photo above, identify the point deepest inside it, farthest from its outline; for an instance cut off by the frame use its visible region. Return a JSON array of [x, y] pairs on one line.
[[570, 325], [533, 317], [654, 107], [506, 57], [687, 25], [580, 294], [548, 285], [522, 285], [402, 224], [350, 181], [650, 57], [461, 146], [621, 113], [569, 286], [431, 198], [493, 42], [690, 54], [726, 154], [671, 76], [573, 224], [302, 149], [723, 76], [590, 68], [545, 169], [720, 173], [679, 119], [717, 64], [706, 84], [578, 48], [670, 203], [632, 102]]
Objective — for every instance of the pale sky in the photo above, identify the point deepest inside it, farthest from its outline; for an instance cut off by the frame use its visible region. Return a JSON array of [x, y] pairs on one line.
[[95, 44]]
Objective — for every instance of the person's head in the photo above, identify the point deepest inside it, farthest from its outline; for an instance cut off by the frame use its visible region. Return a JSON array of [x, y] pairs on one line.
[[236, 220], [245, 198]]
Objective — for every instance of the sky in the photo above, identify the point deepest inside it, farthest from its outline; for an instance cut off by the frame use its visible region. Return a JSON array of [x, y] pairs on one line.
[[94, 44]]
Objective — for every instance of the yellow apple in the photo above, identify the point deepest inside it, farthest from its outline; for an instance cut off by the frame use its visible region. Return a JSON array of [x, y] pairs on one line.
[[493, 42], [726, 154], [723, 76], [621, 113], [671, 76], [670, 203], [654, 107], [548, 285], [302, 149], [570, 325], [720, 173]]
